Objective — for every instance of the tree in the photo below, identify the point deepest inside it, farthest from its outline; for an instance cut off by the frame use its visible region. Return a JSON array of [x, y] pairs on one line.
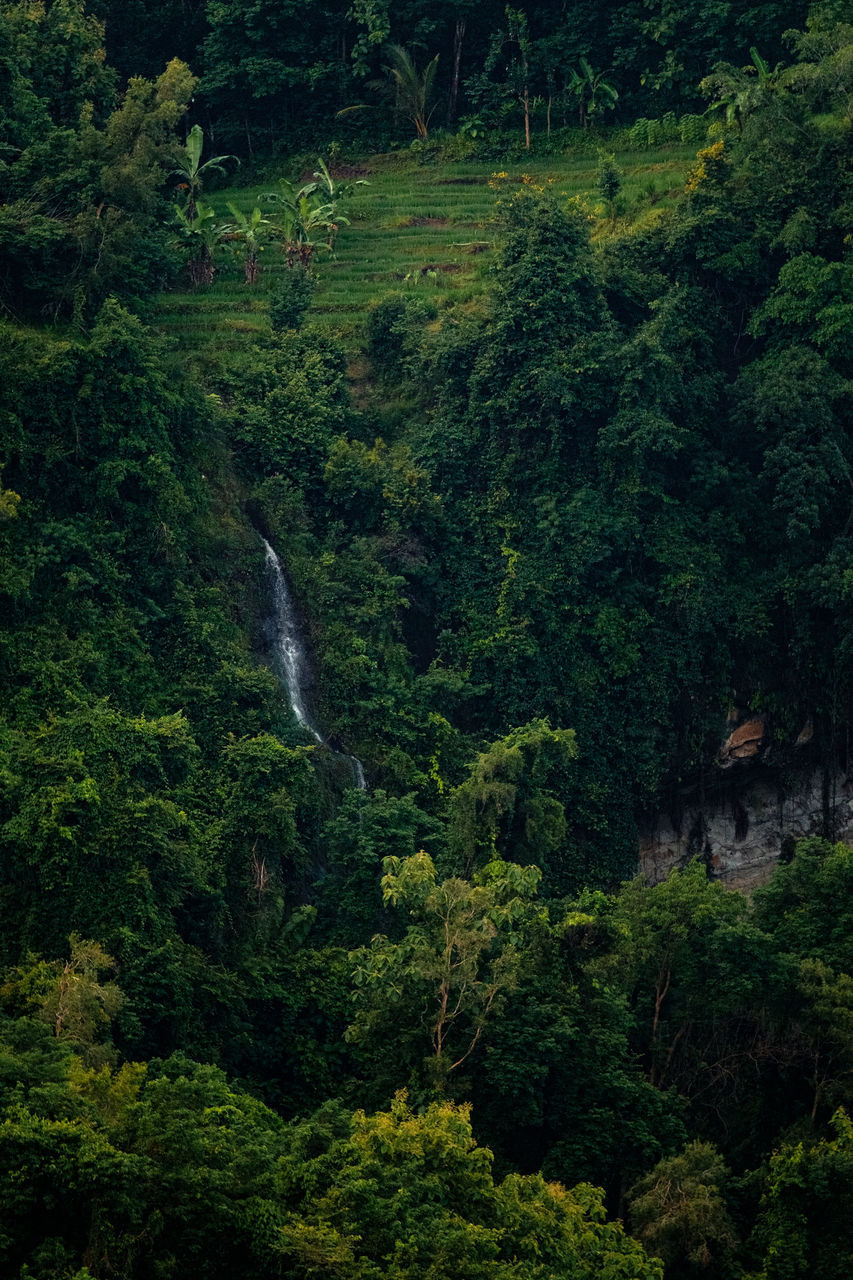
[[508, 806], [706, 987], [404, 1195], [824, 1023], [291, 299], [455, 965], [507, 73], [332, 192], [192, 171], [580, 1108], [679, 1213], [462, 11], [265, 809], [807, 905], [609, 181], [69, 994], [517, 39], [200, 236], [593, 92], [739, 91], [413, 88], [248, 230], [298, 215], [825, 66], [8, 503], [286, 410], [804, 1223], [262, 88]]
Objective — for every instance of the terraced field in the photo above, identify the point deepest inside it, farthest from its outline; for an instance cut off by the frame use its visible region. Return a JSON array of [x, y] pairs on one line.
[[430, 229]]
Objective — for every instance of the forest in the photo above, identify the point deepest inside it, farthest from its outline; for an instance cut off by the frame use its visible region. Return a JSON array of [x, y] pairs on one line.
[[402, 495]]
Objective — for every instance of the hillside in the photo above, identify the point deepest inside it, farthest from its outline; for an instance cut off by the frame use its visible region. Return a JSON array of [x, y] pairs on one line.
[[381, 567], [427, 227]]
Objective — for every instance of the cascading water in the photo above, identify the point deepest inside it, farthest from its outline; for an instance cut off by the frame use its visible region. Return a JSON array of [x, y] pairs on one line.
[[291, 659], [287, 648]]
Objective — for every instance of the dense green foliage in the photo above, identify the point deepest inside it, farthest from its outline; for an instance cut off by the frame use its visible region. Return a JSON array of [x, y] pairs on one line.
[[256, 1019], [272, 71]]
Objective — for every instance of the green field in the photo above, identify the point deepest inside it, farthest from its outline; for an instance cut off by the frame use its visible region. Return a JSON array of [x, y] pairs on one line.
[[429, 228]]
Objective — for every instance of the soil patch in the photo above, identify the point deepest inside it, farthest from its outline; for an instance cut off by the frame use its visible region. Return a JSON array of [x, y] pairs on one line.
[[340, 171], [446, 268]]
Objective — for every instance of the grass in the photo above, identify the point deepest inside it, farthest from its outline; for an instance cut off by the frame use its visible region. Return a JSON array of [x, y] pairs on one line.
[[430, 229]]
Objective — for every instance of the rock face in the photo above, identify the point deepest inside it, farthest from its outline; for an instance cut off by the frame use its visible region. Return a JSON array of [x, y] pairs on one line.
[[743, 744], [739, 827]]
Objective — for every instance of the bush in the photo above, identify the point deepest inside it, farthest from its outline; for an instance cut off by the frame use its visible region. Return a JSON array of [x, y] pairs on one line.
[[393, 330], [693, 128], [644, 133], [609, 178], [291, 299]]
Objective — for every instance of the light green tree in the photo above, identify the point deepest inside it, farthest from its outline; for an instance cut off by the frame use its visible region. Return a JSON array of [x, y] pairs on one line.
[[299, 216], [405, 1196], [803, 1228], [70, 995], [454, 967]]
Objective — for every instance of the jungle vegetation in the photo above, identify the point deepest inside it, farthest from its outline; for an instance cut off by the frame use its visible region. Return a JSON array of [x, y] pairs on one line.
[[257, 1021]]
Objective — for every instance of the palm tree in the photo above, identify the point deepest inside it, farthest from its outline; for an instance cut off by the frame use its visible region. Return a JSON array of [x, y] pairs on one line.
[[594, 94], [248, 229], [190, 168], [413, 87]]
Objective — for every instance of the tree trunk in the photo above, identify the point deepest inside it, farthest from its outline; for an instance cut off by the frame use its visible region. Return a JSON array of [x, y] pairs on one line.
[[661, 990], [458, 36], [201, 270], [526, 70]]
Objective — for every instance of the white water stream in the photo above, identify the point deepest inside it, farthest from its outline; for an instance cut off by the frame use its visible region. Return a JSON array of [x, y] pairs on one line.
[[291, 660]]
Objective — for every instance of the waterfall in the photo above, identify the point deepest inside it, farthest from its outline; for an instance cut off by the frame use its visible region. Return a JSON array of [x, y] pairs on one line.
[[291, 660], [288, 651]]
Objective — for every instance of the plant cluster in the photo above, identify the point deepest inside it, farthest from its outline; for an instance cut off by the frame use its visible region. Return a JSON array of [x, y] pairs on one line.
[[299, 216]]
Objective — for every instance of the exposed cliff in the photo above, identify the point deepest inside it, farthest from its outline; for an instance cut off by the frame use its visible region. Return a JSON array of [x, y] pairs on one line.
[[748, 812]]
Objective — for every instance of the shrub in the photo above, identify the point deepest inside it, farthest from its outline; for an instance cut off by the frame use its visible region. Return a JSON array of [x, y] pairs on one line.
[[394, 327], [291, 299]]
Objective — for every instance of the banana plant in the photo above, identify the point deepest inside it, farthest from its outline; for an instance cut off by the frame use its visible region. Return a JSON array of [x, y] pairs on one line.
[[250, 231], [593, 93], [299, 217], [332, 190], [199, 235], [191, 170], [739, 91]]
